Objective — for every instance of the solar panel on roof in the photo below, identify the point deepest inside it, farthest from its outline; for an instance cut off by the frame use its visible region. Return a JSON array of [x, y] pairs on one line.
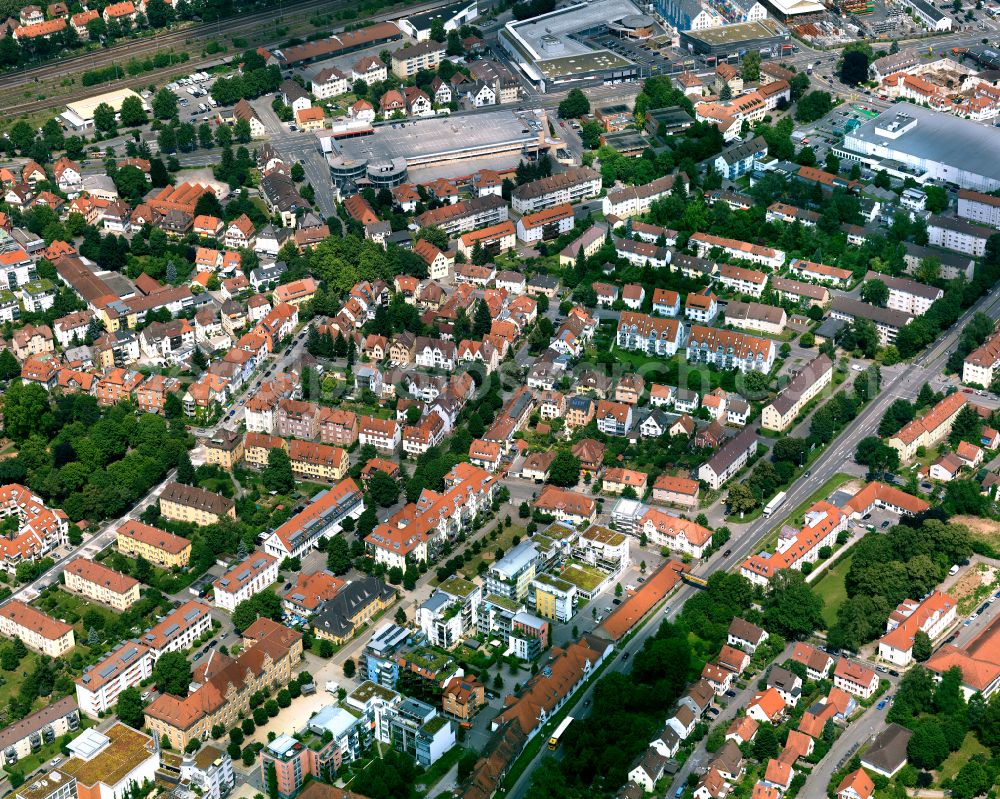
[[107, 671], [171, 629], [191, 615]]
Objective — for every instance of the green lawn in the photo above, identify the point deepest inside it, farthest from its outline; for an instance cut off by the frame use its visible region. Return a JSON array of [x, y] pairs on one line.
[[970, 746], [10, 681], [831, 587]]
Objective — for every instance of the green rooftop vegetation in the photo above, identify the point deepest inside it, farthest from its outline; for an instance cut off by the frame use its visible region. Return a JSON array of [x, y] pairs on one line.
[[435, 724], [584, 577], [555, 582], [457, 586], [503, 602], [425, 657]]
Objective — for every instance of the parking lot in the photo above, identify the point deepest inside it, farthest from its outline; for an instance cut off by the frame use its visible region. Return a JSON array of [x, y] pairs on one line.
[[653, 62], [194, 101]]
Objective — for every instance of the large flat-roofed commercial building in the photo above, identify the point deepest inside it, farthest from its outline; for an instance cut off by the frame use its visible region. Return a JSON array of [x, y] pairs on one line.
[[551, 52], [79, 115], [931, 144], [726, 40], [453, 146]]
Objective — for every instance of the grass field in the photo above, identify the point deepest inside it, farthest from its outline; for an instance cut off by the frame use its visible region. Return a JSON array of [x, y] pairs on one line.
[[831, 587], [970, 746]]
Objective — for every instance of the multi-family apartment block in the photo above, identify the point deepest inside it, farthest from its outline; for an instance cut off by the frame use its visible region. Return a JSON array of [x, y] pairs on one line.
[[728, 349], [929, 429], [179, 629], [981, 208], [954, 234], [907, 295], [245, 579], [184, 503], [97, 690], [135, 539], [788, 404], [37, 630], [96, 581], [571, 186]]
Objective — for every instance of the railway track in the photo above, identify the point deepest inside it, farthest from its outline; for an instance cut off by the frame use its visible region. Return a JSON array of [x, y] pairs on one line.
[[119, 54]]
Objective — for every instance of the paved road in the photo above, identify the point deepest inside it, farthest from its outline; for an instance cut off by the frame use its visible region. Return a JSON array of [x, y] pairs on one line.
[[903, 380], [304, 148]]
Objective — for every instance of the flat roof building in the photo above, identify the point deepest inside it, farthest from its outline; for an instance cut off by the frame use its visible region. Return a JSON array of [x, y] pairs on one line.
[[80, 114], [549, 52], [931, 144], [493, 139], [732, 39]]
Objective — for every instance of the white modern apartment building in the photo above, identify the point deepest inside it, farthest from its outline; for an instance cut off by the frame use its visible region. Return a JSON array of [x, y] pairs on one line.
[[572, 186], [451, 612], [977, 207], [179, 629], [954, 234], [650, 334], [97, 690], [245, 579], [734, 248], [907, 295]]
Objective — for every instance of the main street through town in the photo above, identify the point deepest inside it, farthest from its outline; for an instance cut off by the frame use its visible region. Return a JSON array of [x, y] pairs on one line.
[[900, 381]]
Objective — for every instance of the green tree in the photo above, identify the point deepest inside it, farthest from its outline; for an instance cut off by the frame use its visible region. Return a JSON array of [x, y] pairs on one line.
[[9, 367], [349, 669], [854, 67], [574, 106], [565, 469], [338, 555], [765, 744], [165, 104], [967, 426], [813, 106], [741, 499], [466, 763], [875, 292], [937, 199], [185, 470], [104, 118], [383, 490], [277, 475], [791, 608], [129, 707], [928, 747], [750, 68], [921, 646], [132, 112], [172, 674]]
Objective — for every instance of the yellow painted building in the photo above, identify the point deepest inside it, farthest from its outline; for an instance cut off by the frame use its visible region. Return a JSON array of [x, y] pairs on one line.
[[317, 461], [184, 503], [553, 597], [225, 449], [97, 582], [354, 605], [159, 547]]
